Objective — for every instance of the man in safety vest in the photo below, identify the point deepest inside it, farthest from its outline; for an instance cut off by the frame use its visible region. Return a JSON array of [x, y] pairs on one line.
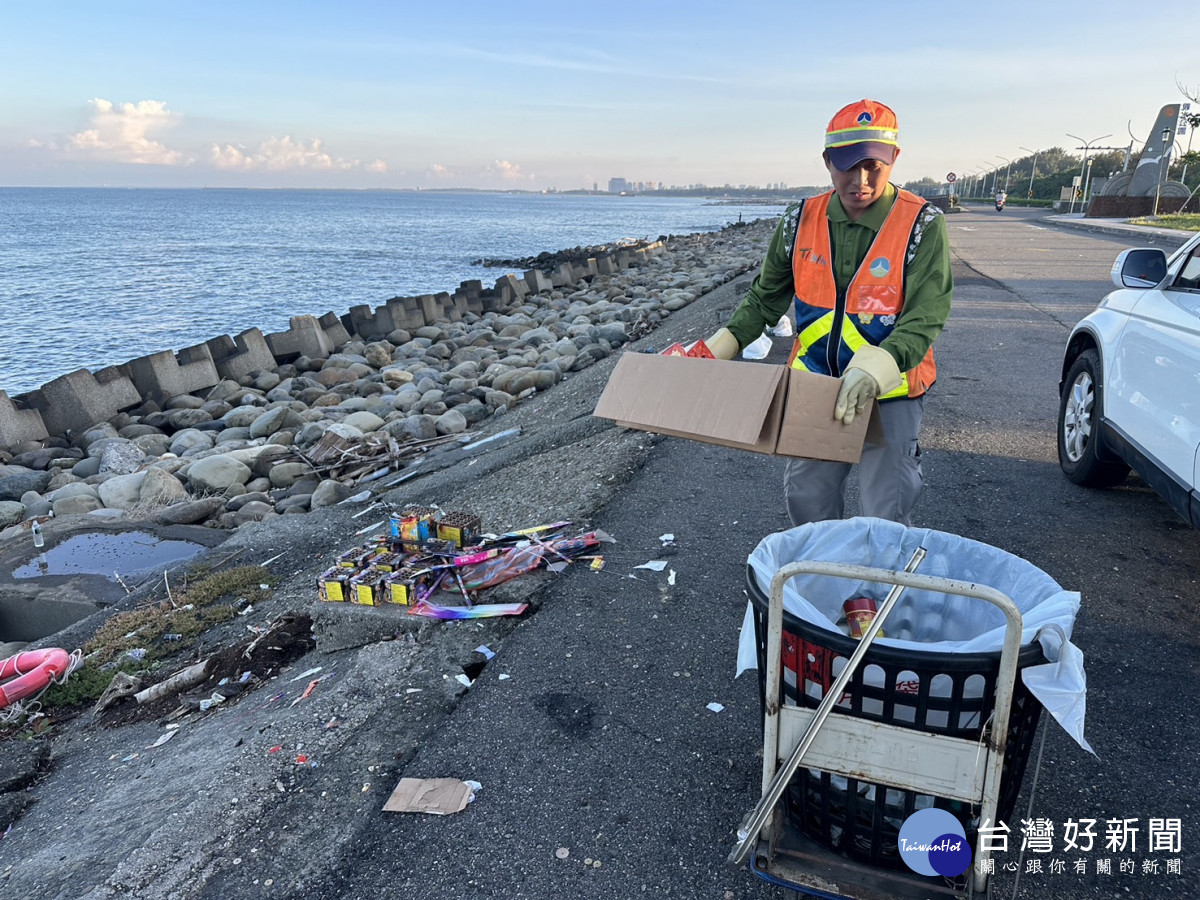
[[867, 266]]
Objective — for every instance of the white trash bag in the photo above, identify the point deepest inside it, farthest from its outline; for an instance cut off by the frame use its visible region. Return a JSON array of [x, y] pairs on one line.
[[928, 621]]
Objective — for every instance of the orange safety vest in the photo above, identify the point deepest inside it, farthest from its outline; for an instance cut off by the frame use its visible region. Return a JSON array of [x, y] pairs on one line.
[[830, 327]]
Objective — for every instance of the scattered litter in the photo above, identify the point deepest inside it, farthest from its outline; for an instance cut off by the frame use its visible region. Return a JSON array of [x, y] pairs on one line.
[[479, 611], [655, 565], [301, 759], [276, 748], [309, 674], [404, 477], [495, 437], [671, 577], [414, 690], [668, 539], [356, 498], [557, 567], [715, 707], [308, 690], [137, 653], [486, 651], [504, 676], [366, 509], [562, 852], [436, 796], [129, 758], [371, 527], [162, 739], [597, 563], [463, 680]]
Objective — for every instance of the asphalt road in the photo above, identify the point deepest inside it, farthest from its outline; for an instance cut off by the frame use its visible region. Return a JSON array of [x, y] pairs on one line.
[[600, 744]]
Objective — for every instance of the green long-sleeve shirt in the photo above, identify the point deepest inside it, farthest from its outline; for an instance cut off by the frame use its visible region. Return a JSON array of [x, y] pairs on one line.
[[927, 281]]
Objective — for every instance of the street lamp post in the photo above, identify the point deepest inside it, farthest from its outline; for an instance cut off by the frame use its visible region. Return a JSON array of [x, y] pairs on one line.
[[1166, 153], [1006, 170], [1087, 145], [1032, 169]]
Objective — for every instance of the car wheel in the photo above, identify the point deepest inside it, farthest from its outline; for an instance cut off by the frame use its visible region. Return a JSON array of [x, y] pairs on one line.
[[1078, 416]]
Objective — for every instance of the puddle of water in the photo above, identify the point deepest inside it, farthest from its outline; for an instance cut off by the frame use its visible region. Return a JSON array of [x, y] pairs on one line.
[[130, 553]]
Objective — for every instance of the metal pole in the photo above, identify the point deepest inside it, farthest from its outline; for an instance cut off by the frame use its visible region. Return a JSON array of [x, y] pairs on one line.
[[1183, 176], [1032, 170], [1087, 145], [1006, 168], [1166, 136]]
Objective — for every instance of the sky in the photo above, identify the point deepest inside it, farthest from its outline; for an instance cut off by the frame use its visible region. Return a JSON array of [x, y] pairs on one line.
[[561, 96]]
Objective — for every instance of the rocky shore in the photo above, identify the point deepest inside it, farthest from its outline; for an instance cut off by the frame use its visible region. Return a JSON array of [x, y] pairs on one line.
[[267, 793], [244, 450]]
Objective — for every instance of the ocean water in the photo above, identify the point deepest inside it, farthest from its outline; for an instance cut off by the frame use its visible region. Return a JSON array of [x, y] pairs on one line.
[[96, 277]]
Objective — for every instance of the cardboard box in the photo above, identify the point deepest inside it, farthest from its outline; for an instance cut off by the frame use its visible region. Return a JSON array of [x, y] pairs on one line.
[[760, 407]]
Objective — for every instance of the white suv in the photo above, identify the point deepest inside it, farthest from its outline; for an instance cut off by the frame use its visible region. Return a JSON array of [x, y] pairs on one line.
[[1130, 390]]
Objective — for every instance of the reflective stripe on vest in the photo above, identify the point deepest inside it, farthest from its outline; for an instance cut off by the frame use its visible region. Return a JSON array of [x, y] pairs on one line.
[[867, 313]]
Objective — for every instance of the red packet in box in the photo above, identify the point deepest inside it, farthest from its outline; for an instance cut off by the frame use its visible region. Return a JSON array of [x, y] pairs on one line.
[[697, 350]]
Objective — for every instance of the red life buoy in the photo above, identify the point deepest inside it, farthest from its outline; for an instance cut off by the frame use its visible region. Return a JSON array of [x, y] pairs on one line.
[[35, 669]]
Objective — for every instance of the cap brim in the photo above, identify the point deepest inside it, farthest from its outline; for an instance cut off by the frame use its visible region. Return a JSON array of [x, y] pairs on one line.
[[846, 158]]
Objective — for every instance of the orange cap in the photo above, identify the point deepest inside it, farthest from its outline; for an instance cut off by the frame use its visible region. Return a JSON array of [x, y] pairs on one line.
[[862, 130]]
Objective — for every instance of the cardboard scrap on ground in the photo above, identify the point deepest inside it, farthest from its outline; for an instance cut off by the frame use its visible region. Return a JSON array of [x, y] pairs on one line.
[[437, 796]]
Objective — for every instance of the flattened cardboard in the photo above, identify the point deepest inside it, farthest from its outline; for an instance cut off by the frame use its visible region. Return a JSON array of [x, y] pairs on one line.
[[732, 404], [749, 406], [809, 427], [439, 796]]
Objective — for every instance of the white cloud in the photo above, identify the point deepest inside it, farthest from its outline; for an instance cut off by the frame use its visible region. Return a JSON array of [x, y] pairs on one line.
[[123, 133], [509, 171], [287, 155]]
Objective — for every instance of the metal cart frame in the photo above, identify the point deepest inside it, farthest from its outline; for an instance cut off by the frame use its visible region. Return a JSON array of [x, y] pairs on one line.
[[904, 758]]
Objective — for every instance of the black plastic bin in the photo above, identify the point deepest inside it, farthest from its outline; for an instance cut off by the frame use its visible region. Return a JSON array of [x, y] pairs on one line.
[[940, 693]]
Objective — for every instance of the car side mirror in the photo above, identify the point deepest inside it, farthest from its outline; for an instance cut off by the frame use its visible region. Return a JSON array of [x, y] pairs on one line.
[[1143, 267]]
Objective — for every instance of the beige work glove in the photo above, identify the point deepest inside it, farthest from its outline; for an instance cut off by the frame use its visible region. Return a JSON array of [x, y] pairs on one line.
[[723, 345], [870, 373]]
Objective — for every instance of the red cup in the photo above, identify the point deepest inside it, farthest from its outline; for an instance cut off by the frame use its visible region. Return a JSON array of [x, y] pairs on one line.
[[860, 613]]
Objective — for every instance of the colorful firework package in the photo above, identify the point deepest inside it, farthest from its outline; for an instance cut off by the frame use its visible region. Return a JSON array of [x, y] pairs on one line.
[[427, 553]]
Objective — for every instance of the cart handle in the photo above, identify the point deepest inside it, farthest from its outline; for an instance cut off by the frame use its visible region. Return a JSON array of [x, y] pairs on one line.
[[754, 821]]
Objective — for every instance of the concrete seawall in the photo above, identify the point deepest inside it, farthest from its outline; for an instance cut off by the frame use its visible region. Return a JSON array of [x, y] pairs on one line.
[[74, 402]]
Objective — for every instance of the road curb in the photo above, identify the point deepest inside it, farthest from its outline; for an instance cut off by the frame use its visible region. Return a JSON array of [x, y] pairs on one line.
[[1121, 228]]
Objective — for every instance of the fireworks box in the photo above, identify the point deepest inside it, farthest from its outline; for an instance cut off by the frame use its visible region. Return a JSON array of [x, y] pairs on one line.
[[459, 527], [414, 526], [333, 584], [367, 588]]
